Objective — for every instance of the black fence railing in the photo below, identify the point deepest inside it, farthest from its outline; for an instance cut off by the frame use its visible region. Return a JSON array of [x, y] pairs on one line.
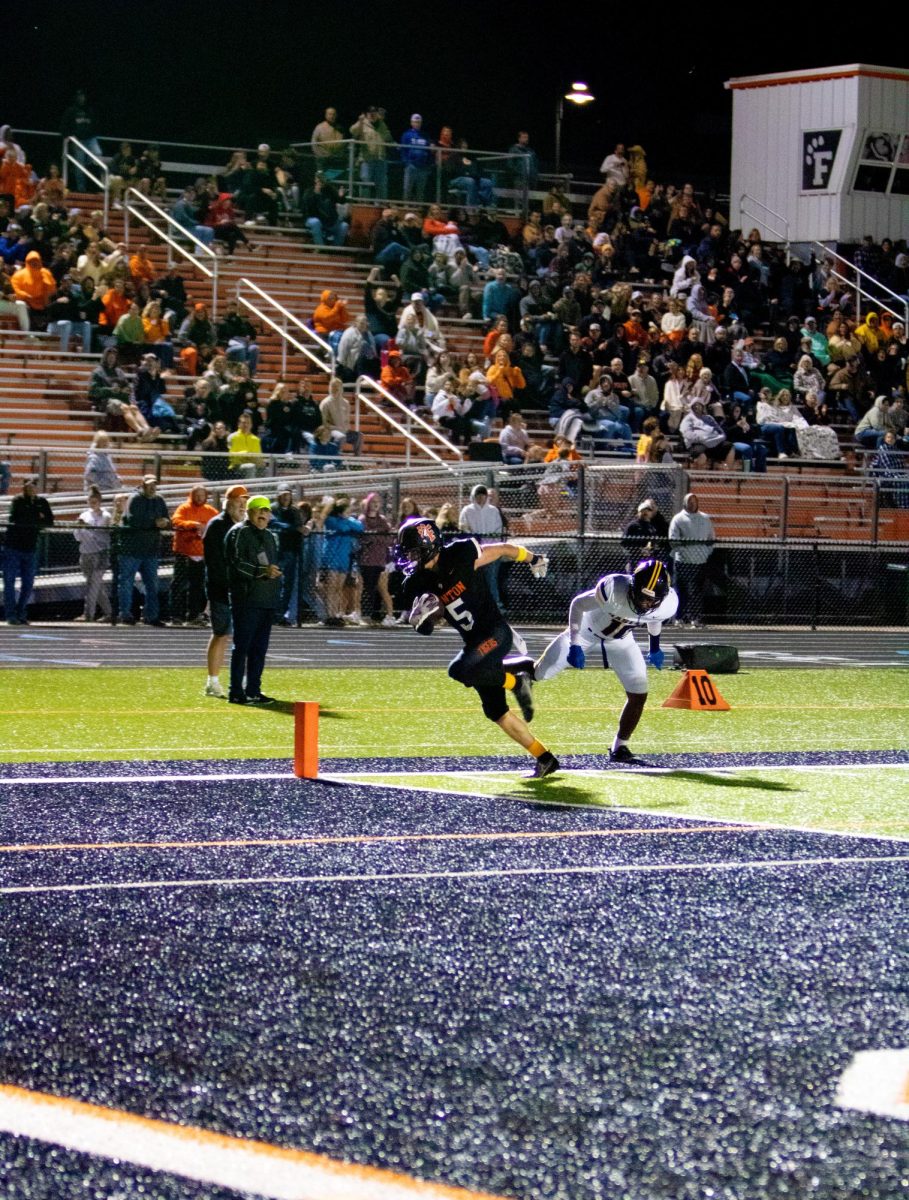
[[797, 583]]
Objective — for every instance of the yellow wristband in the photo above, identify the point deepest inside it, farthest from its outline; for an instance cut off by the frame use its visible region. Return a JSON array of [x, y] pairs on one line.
[[524, 555]]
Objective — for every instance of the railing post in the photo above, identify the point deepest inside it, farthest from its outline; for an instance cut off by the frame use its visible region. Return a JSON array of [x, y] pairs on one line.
[[284, 347], [157, 461], [816, 572], [66, 162], [784, 509], [876, 510], [582, 500], [42, 470], [214, 287]]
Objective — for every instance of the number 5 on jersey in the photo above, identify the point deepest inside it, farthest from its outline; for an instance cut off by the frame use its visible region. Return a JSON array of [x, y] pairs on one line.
[[460, 615]]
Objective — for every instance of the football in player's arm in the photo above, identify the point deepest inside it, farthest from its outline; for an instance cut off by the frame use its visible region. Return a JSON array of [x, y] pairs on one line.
[[446, 582], [608, 614]]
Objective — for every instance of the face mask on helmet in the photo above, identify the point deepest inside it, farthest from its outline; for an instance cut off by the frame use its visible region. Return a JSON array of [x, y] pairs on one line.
[[649, 585], [419, 541]]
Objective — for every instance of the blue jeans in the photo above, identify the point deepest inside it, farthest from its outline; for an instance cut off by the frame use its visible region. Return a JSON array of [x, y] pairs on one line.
[[755, 454], [66, 328], [392, 255], [236, 352], [782, 437], [333, 235], [24, 564], [870, 438], [415, 182], [375, 171], [147, 568], [252, 631]]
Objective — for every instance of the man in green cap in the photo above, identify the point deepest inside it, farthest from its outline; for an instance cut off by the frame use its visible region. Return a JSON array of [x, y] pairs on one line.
[[254, 582]]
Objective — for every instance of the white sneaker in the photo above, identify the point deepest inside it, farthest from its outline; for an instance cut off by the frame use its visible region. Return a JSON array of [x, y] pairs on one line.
[[389, 622], [782, 455], [215, 689], [355, 619]]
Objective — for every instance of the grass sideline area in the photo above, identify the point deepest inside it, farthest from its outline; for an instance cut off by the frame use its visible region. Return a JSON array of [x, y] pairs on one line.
[[109, 714]]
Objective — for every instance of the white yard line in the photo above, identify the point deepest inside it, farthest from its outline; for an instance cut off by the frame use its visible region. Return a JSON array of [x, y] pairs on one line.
[[236, 1163], [769, 864]]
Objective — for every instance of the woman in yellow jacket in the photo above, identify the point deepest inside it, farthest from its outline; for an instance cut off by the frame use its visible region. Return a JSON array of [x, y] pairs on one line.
[[506, 380]]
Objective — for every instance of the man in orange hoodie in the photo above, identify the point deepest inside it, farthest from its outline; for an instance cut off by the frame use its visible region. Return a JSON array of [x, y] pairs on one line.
[[188, 591], [34, 284], [141, 267], [116, 305], [331, 315]]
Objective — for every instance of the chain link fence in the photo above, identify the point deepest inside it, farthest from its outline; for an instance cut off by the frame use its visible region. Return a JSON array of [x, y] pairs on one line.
[[741, 582]]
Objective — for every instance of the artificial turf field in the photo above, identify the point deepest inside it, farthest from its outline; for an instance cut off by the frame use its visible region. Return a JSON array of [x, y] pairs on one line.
[[222, 981]]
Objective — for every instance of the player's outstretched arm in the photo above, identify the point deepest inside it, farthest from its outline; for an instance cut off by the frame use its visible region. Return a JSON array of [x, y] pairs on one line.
[[539, 563]]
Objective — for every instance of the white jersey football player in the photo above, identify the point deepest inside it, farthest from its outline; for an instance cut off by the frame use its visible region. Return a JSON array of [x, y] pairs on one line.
[[608, 614]]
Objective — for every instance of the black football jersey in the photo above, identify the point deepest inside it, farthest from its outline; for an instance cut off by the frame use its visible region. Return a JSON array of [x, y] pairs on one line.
[[467, 602]]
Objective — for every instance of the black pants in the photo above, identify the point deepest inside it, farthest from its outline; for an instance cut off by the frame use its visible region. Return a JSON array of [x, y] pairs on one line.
[[482, 665], [252, 630], [187, 598]]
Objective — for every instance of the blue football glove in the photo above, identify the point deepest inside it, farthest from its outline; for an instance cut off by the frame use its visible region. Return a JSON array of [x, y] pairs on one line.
[[656, 658], [576, 657]]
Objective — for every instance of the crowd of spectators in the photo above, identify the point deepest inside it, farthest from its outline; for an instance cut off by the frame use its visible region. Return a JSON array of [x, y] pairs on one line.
[[645, 326]]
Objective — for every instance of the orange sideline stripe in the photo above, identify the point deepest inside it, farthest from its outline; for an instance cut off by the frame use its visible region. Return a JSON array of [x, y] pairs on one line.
[[368, 839], [206, 1138]]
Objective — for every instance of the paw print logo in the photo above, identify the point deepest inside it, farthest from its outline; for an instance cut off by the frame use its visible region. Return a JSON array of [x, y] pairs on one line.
[[819, 159]]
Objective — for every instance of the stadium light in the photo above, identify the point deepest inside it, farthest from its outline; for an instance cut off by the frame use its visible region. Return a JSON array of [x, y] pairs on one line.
[[580, 95]]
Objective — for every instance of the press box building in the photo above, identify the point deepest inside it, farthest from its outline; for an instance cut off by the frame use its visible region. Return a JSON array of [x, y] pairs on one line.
[[821, 155]]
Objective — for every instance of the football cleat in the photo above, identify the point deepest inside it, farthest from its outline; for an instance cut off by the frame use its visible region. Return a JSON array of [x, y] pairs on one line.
[[650, 584], [625, 758], [523, 693], [546, 764]]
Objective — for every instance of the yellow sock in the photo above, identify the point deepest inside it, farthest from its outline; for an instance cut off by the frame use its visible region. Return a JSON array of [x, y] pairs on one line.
[[510, 681], [537, 749]]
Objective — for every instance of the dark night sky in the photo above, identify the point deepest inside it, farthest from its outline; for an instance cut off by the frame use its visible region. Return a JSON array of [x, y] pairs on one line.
[[244, 73]]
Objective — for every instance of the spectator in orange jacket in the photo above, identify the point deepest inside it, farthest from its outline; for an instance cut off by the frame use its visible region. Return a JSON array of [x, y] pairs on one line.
[[115, 305], [397, 379], [506, 380], [34, 284], [331, 315], [141, 267], [188, 592]]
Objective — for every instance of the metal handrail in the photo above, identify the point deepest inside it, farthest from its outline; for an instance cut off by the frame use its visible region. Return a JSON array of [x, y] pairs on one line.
[[103, 183], [784, 237], [862, 292], [282, 331], [365, 381], [131, 210]]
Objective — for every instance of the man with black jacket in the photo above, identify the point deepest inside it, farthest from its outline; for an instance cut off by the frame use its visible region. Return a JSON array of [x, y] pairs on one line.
[[216, 582], [139, 549], [254, 581], [647, 536], [28, 515]]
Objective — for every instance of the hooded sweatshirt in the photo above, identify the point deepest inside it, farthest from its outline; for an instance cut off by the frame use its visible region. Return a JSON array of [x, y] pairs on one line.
[[33, 283], [329, 317], [188, 521]]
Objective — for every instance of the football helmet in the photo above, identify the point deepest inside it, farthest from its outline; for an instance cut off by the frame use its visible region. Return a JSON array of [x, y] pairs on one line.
[[650, 584], [419, 541]]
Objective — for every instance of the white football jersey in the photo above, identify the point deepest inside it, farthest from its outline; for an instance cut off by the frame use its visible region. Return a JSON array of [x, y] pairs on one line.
[[607, 613]]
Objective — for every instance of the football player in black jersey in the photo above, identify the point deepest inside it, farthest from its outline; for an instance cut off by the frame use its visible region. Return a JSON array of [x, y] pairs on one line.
[[447, 583]]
